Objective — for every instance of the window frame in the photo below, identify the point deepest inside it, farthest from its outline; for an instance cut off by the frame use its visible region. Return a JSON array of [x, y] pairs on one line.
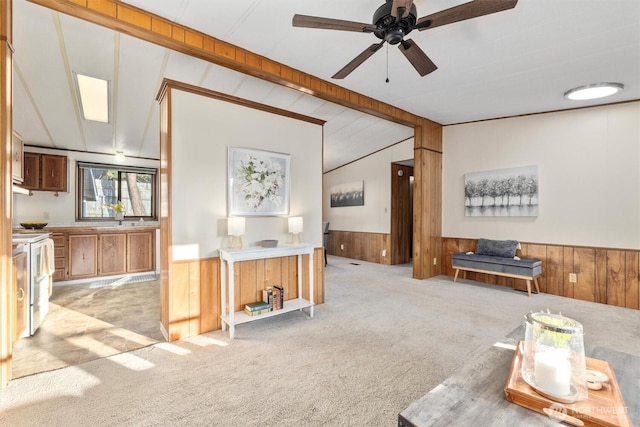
[[81, 166]]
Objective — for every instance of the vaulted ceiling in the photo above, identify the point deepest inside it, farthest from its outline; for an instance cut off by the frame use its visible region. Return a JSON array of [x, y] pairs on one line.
[[515, 62]]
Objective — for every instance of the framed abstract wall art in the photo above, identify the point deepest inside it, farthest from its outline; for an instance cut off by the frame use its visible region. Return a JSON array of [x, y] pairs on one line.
[[258, 183], [349, 194]]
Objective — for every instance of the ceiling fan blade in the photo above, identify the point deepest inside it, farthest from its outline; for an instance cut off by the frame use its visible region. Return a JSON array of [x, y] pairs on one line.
[[355, 62], [406, 4], [417, 57], [331, 24], [472, 9]]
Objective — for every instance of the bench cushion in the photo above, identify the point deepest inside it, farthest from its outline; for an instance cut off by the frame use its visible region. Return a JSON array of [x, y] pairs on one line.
[[521, 267]]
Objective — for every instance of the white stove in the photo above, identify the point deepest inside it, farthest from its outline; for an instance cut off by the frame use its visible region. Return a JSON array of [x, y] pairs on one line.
[[39, 248]]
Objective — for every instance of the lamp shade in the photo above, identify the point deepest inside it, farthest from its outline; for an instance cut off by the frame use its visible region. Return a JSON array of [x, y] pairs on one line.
[[235, 226], [295, 224]]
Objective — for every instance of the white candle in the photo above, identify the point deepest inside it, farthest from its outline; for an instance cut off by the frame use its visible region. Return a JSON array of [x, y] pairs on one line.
[[552, 372]]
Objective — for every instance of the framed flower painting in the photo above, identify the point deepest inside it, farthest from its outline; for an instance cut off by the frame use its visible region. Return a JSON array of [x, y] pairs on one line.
[[258, 183]]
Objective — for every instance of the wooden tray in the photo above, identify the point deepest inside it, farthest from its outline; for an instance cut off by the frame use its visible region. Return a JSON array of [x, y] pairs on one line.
[[603, 407]]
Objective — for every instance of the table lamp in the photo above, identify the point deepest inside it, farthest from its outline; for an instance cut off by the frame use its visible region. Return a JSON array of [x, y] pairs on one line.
[[235, 229], [295, 228]]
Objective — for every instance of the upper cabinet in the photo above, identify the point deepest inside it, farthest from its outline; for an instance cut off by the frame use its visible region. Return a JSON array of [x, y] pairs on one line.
[[45, 172], [17, 147]]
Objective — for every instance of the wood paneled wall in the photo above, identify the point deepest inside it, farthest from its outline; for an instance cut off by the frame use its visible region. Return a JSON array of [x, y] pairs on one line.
[[194, 292], [360, 245], [604, 275]]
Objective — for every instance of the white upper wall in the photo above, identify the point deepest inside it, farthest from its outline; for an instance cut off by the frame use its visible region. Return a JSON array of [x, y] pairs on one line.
[[202, 130], [588, 168], [375, 171]]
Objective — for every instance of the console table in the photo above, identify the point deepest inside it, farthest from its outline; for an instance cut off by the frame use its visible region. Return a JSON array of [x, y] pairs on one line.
[[229, 256]]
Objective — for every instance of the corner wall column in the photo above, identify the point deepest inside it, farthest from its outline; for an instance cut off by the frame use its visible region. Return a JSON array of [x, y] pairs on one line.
[[6, 126], [427, 200]]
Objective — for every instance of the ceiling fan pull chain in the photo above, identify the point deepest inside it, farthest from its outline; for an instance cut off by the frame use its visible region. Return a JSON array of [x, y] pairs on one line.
[[387, 80]]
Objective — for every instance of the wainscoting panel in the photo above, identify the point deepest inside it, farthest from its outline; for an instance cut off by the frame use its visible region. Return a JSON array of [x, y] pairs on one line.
[[360, 245], [604, 275]]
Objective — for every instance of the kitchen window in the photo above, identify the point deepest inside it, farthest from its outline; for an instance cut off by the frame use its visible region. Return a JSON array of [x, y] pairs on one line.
[[101, 187]]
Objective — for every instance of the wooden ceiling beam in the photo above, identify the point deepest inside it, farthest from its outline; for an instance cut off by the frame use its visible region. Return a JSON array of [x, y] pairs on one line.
[[141, 24]]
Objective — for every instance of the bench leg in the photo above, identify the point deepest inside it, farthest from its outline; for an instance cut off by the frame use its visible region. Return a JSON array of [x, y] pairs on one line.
[[456, 276], [535, 280], [529, 287]]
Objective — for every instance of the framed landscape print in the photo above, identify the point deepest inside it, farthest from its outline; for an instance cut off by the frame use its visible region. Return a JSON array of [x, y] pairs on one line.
[[258, 183], [502, 192]]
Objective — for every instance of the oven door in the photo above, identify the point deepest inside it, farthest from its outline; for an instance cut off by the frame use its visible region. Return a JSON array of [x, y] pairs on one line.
[[40, 283]]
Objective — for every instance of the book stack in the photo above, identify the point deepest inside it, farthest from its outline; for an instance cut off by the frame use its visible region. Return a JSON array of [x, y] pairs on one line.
[[274, 297], [257, 308]]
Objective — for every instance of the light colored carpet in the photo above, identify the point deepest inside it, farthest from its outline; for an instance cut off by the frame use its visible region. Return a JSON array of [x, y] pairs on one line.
[[380, 342]]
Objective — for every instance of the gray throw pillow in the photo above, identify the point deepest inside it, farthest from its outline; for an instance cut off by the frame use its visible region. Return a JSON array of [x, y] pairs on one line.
[[501, 248]]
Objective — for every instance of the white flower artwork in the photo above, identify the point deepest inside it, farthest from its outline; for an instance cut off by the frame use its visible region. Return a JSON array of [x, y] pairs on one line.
[[258, 182]]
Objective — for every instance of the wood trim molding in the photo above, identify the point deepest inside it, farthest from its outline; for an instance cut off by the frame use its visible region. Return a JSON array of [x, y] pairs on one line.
[[197, 90]]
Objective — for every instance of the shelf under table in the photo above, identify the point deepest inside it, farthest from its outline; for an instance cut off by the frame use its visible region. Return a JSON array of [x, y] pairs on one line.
[[289, 305]]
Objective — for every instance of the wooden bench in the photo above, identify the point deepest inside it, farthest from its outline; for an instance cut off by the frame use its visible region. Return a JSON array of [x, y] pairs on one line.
[[527, 269]]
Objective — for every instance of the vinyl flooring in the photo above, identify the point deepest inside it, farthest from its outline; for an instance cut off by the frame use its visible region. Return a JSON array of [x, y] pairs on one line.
[[92, 320]]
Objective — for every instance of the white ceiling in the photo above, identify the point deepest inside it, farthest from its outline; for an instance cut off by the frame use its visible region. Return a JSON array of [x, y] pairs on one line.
[[515, 62]]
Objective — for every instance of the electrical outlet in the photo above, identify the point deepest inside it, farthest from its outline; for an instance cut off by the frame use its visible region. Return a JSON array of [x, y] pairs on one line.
[[341, 247], [435, 261], [384, 252], [573, 278]]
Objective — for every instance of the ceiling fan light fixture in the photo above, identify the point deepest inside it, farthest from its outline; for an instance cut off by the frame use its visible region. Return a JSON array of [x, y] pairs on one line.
[[93, 94], [593, 91]]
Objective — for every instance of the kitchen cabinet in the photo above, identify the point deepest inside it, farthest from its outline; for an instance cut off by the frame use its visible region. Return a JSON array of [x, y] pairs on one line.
[[83, 255], [31, 171], [140, 251], [17, 156], [60, 256], [19, 279], [45, 172], [93, 252], [113, 253]]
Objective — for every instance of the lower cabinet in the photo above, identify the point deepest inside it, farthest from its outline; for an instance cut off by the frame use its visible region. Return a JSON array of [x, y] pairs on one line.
[[83, 255], [140, 252], [113, 253], [106, 253]]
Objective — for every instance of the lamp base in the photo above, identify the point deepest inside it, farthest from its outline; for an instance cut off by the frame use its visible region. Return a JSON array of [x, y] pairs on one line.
[[236, 242], [295, 238]]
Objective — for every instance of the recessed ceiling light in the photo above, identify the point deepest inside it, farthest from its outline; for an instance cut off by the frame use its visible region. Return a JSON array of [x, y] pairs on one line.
[[94, 97], [593, 91]]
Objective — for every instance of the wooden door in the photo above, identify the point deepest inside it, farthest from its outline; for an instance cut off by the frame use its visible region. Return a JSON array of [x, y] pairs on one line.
[[31, 175], [17, 170], [54, 172], [83, 255], [113, 253], [140, 251]]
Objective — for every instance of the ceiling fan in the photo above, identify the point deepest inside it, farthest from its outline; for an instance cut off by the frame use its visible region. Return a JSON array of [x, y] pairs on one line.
[[397, 18]]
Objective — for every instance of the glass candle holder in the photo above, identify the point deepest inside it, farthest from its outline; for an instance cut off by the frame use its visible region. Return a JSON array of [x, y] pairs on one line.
[[553, 362]]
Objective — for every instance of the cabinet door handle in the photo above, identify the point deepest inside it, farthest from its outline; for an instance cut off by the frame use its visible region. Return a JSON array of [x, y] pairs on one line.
[[52, 174], [21, 293]]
